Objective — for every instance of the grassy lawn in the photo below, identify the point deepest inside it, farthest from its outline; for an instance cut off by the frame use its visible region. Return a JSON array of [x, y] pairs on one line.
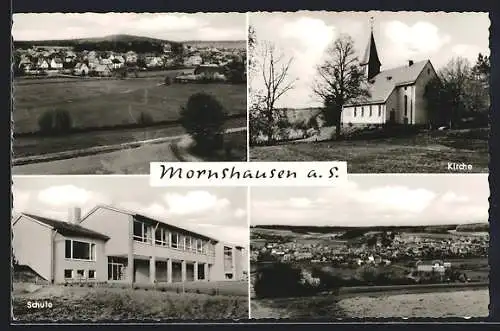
[[106, 304], [421, 153], [27, 146], [467, 303], [313, 307], [99, 103]]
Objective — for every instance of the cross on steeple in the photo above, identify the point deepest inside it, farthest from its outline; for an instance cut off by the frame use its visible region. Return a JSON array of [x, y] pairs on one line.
[[371, 24]]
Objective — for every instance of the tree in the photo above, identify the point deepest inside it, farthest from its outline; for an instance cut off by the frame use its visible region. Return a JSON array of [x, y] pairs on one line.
[[458, 91], [339, 80], [203, 117], [273, 67]]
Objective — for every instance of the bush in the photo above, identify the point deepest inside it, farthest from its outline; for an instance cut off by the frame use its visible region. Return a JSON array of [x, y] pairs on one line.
[[168, 80], [280, 280], [203, 118], [55, 122]]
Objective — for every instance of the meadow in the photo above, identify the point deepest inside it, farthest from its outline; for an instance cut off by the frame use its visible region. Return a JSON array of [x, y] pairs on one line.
[[97, 103], [423, 152], [112, 304]]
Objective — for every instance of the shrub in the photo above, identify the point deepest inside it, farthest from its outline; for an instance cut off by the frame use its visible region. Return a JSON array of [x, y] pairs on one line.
[[55, 122], [280, 280], [203, 118], [168, 80]]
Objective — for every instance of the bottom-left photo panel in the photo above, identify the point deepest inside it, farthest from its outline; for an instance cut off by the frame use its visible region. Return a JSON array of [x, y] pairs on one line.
[[113, 248]]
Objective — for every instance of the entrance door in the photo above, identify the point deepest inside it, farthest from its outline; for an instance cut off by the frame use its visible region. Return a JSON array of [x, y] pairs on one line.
[[392, 116]]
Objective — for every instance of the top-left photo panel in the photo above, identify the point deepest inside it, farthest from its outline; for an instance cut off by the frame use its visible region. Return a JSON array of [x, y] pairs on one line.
[[108, 93]]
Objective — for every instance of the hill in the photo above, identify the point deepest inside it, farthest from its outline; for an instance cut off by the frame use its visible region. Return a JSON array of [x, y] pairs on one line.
[[362, 230], [231, 44], [119, 43]]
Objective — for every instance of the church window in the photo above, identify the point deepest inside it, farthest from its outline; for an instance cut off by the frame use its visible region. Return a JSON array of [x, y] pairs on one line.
[[362, 111], [379, 111], [355, 111], [370, 111], [406, 105]]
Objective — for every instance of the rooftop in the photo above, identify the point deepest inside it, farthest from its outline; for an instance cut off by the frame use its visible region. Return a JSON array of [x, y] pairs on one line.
[[68, 229]]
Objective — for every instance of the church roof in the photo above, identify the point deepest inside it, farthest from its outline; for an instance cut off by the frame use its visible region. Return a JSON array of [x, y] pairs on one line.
[[382, 85], [371, 54]]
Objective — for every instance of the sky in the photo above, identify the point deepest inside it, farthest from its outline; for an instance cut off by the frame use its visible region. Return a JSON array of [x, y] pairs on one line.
[[220, 213], [168, 26], [399, 36], [376, 200]]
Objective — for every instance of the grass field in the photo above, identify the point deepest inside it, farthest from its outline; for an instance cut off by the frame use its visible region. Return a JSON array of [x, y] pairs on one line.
[[456, 303], [110, 102], [100, 304], [416, 154]]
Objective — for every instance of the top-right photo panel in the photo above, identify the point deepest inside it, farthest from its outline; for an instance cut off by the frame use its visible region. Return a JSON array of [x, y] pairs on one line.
[[388, 92]]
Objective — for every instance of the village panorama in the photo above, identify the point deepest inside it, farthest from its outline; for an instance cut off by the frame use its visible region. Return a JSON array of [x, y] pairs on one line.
[[387, 247], [102, 103]]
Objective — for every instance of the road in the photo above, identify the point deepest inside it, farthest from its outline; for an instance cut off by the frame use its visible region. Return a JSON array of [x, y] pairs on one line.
[[125, 161]]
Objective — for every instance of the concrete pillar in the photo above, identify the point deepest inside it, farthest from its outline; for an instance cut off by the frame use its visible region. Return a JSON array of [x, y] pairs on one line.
[[169, 271], [152, 269], [183, 270], [152, 260], [195, 271], [130, 255]]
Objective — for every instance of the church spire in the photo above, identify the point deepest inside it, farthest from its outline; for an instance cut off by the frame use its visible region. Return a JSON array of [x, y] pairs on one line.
[[370, 62]]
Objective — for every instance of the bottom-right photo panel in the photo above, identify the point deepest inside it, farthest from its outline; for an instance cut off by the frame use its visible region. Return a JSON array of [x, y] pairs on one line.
[[376, 246]]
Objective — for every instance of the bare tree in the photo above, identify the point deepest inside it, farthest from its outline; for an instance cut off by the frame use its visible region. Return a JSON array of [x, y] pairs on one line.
[[273, 67], [339, 80]]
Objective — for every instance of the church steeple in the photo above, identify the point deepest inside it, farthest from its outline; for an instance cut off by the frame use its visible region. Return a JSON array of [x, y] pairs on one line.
[[370, 62]]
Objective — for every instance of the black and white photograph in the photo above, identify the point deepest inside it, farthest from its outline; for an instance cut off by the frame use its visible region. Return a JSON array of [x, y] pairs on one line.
[[378, 246], [107, 93], [388, 92], [90, 249]]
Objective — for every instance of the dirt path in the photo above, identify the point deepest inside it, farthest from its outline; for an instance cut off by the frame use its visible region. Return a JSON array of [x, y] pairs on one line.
[[260, 310]]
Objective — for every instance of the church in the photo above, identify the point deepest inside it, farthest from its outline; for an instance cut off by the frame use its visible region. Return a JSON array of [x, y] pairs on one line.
[[396, 95]]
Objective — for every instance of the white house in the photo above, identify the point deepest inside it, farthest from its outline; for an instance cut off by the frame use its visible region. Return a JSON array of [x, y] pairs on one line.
[[396, 94], [193, 61]]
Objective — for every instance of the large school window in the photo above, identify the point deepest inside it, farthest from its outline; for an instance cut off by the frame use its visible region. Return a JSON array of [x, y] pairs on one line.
[[142, 232], [115, 270], [228, 258], [199, 245], [355, 111], [161, 237], [79, 250], [175, 240], [406, 105]]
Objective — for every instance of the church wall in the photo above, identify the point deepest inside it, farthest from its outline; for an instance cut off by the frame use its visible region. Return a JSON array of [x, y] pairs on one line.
[[422, 115], [393, 104], [348, 115]]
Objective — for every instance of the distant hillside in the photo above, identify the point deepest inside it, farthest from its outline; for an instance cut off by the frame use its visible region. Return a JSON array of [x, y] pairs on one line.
[[362, 230], [475, 227], [119, 43], [238, 44]]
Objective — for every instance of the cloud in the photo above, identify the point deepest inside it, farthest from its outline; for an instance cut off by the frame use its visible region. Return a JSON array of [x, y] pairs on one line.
[[239, 213], [194, 202], [68, 195], [355, 205], [420, 37], [470, 52]]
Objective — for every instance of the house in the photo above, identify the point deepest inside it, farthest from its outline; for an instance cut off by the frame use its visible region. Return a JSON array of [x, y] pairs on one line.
[[42, 64], [396, 94], [193, 61], [131, 57], [120, 246], [59, 251], [103, 70], [81, 69], [154, 61]]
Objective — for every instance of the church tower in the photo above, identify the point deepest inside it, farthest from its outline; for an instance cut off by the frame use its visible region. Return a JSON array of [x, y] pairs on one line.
[[370, 62]]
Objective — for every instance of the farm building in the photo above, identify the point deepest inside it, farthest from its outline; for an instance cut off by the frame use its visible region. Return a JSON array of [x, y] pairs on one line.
[[396, 94], [119, 246]]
